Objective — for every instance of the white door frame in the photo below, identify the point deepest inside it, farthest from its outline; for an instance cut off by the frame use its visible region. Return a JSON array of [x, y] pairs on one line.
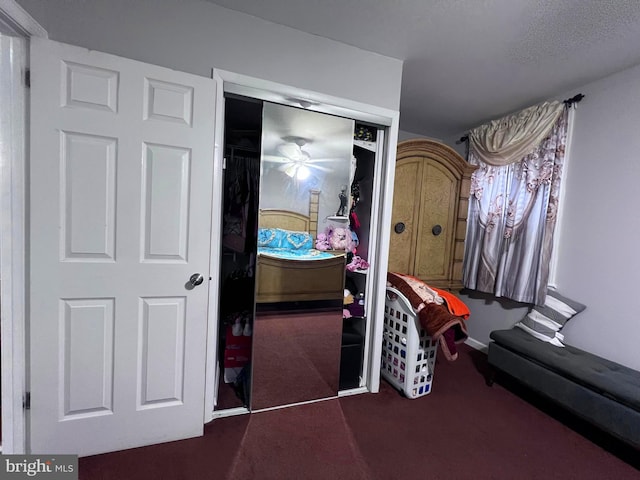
[[385, 172], [14, 19]]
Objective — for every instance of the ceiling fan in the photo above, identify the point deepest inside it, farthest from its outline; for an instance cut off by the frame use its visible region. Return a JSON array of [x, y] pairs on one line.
[[296, 161]]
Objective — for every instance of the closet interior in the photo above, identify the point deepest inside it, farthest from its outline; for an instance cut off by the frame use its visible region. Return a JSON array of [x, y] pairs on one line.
[[337, 209], [243, 120]]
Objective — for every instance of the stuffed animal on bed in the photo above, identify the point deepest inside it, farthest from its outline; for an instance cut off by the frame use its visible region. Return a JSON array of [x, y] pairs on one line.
[[322, 242], [340, 239]]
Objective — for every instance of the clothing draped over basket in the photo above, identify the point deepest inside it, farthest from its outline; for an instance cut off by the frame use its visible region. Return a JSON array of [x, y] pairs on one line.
[[441, 314]]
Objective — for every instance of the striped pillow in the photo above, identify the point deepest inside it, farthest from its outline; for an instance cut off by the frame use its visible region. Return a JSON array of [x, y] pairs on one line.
[[545, 321]]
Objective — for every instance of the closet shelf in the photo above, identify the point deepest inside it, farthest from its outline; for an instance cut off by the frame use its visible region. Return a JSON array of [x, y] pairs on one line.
[[243, 148], [371, 146], [338, 218], [362, 272]]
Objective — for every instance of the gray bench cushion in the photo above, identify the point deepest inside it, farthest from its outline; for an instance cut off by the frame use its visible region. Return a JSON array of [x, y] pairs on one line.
[[609, 378]]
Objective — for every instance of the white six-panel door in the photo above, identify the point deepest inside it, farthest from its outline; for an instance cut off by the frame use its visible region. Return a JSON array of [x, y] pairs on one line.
[[121, 169]]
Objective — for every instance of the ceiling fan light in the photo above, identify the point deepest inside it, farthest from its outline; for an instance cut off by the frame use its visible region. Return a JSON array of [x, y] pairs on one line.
[[302, 173], [297, 171]]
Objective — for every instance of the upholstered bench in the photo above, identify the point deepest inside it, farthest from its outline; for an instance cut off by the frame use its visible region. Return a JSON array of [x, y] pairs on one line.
[[599, 391]]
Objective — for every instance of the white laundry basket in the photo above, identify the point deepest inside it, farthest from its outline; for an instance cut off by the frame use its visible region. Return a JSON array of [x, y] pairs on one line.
[[408, 353]]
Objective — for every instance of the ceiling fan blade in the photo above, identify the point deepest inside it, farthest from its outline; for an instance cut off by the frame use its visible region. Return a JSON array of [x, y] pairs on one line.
[[313, 166], [275, 159], [327, 160], [289, 150]]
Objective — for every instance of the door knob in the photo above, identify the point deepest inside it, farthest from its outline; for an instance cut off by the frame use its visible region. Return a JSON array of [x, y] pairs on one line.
[[196, 279]]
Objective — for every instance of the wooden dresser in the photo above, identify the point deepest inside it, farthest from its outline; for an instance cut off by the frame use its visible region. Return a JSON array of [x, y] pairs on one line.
[[430, 204]]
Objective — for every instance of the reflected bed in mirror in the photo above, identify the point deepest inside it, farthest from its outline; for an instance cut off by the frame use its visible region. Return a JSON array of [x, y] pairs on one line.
[[289, 268]]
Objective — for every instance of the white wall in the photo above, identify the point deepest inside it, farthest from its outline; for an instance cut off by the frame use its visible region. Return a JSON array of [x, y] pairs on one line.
[[599, 257], [404, 135], [195, 36]]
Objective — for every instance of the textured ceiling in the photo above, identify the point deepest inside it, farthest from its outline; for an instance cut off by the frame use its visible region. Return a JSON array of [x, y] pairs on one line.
[[467, 61]]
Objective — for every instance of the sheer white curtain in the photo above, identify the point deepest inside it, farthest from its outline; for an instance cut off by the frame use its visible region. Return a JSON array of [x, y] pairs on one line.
[[514, 201]]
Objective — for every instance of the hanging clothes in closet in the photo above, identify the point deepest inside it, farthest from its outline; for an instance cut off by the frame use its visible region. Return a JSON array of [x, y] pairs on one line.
[[241, 204]]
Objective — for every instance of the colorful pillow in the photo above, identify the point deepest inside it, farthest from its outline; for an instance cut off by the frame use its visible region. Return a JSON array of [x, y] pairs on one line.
[[545, 321], [287, 239], [296, 240], [268, 237]]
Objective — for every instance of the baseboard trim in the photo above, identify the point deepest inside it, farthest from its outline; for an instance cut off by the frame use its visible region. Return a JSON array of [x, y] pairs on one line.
[[476, 344], [229, 412], [278, 407], [353, 391]]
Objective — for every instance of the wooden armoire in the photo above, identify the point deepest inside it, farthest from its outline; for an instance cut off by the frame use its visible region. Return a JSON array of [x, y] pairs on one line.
[[430, 204]]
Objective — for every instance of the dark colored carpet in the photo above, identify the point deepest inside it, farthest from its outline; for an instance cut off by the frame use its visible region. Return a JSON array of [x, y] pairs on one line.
[[301, 443], [462, 430], [295, 359]]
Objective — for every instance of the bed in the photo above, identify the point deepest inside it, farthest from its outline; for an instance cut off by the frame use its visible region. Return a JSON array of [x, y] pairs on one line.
[[288, 267]]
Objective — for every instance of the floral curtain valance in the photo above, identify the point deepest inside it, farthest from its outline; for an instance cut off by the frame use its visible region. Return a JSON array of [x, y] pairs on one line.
[[511, 138]]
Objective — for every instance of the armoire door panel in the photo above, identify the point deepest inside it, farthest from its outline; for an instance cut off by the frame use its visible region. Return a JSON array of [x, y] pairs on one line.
[[437, 220], [406, 210]]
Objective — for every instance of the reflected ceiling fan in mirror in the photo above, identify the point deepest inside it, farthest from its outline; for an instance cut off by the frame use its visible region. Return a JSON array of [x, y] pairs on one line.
[[296, 161]]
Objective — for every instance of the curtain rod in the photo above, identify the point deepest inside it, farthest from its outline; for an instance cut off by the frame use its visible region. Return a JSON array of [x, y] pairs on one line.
[[574, 99], [568, 101]]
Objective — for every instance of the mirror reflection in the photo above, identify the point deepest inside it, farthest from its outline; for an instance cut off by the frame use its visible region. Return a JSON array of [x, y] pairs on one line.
[[306, 165]]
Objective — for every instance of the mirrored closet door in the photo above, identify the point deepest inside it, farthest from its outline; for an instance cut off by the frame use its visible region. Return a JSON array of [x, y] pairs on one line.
[[306, 167], [296, 218]]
